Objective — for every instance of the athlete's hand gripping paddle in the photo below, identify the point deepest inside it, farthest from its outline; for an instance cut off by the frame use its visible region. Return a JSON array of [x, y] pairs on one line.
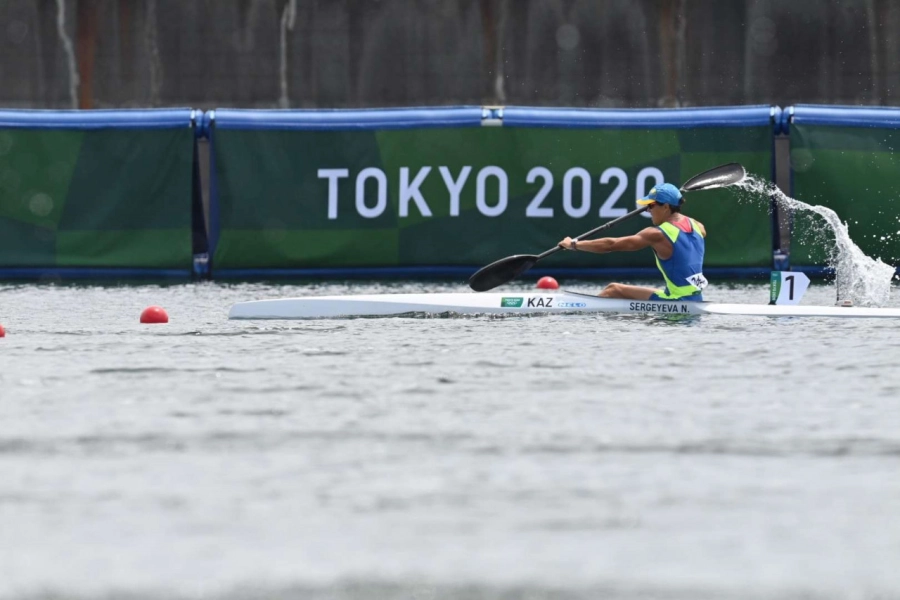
[[507, 269]]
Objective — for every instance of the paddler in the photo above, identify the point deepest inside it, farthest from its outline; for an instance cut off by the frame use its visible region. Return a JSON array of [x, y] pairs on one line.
[[676, 240]]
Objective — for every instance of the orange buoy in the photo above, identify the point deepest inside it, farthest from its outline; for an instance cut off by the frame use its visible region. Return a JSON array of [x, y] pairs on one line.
[[547, 283], [154, 314]]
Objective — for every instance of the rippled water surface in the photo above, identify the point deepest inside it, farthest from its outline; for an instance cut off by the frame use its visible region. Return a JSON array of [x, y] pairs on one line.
[[563, 456]]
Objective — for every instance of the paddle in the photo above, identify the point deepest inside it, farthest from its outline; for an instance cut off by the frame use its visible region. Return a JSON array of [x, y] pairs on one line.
[[507, 269]]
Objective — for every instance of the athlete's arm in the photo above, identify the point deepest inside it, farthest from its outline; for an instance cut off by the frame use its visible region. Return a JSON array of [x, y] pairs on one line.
[[651, 236]]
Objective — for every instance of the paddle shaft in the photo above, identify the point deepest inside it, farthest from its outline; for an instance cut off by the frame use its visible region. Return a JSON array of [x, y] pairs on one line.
[[636, 211]]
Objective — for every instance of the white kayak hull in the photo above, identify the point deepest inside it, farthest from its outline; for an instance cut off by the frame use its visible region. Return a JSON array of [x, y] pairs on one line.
[[382, 305]]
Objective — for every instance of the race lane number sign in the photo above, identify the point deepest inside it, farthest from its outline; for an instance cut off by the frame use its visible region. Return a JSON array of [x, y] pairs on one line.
[[787, 287]]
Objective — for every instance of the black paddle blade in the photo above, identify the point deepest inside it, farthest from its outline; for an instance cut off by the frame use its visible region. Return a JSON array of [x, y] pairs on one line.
[[715, 178], [501, 271]]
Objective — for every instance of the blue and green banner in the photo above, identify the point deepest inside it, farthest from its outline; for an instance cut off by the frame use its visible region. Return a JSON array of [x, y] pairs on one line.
[[461, 187], [96, 192]]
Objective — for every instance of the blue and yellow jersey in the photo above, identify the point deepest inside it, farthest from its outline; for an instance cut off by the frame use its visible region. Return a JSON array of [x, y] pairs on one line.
[[683, 271]]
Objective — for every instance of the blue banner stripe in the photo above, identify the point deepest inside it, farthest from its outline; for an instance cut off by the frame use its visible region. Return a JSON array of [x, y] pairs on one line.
[[338, 119], [842, 116], [742, 116], [99, 119]]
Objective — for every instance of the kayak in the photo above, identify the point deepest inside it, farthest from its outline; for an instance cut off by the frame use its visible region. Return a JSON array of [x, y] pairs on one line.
[[437, 304]]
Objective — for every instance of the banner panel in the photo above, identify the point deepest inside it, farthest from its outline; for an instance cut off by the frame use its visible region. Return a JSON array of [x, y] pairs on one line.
[[853, 171], [468, 196], [95, 197]]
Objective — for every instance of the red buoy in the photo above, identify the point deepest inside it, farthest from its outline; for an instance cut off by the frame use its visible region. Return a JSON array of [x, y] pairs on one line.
[[547, 283], [2, 331], [154, 314]]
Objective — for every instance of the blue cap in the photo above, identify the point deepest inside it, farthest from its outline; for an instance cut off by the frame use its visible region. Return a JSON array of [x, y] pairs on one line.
[[662, 194]]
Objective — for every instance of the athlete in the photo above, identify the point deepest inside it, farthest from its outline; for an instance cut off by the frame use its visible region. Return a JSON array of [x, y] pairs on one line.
[[676, 240]]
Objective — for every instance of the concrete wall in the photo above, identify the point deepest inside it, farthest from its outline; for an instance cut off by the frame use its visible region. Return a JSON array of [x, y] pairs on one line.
[[362, 53]]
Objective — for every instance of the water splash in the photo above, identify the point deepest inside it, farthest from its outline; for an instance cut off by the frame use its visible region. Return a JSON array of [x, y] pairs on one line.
[[860, 279]]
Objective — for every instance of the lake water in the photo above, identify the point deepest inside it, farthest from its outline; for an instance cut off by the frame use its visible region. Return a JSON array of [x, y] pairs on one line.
[[560, 456]]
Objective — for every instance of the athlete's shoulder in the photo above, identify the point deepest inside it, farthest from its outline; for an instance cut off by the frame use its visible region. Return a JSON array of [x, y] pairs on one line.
[[652, 233], [700, 226], [682, 224]]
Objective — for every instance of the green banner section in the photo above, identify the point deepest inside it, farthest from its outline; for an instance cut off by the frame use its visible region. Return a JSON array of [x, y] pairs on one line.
[[853, 171], [468, 196], [96, 198]]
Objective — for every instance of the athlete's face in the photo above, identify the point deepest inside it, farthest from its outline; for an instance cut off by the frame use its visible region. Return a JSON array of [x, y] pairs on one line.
[[659, 213]]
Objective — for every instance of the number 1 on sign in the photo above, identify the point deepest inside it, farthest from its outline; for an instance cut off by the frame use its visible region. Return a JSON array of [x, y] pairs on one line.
[[792, 292]]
